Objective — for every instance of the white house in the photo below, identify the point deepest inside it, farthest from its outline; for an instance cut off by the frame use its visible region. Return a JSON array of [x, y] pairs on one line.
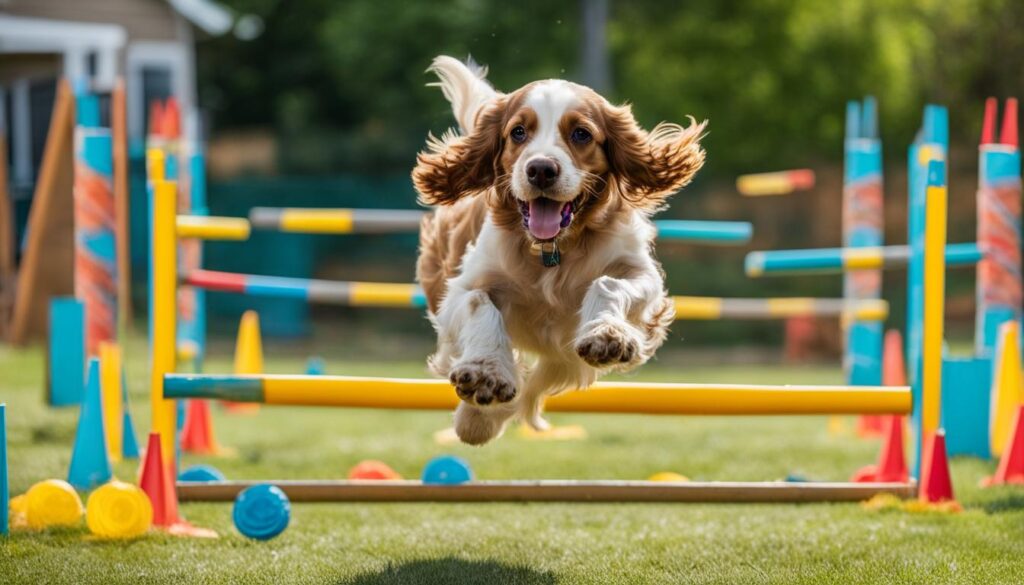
[[148, 42]]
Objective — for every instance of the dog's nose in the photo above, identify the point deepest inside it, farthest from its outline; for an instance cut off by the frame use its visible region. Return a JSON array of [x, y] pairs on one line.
[[541, 172]]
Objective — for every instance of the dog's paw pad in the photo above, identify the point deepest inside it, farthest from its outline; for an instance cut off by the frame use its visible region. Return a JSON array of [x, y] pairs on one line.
[[608, 346], [482, 382]]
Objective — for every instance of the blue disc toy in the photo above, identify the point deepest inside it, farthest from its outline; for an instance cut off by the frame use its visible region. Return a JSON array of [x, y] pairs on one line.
[[201, 473], [261, 511], [447, 470]]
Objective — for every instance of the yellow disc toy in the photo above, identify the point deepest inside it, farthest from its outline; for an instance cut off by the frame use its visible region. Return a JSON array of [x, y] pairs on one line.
[[119, 510], [52, 503], [667, 476]]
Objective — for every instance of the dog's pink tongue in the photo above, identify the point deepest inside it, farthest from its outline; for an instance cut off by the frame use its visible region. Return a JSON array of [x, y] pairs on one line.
[[545, 218]]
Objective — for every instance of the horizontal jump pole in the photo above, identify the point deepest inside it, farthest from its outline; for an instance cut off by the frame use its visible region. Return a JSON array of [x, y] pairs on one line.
[[336, 221], [775, 183], [382, 221], [382, 294], [212, 228], [835, 260], [719, 308], [592, 491], [704, 232], [604, 397]]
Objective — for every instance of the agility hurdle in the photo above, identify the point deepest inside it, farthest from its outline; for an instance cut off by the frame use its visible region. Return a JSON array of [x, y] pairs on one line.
[[970, 417], [609, 397], [843, 260], [380, 294], [390, 221]]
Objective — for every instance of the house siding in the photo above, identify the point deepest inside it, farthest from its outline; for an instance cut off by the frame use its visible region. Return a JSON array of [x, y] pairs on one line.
[[149, 20]]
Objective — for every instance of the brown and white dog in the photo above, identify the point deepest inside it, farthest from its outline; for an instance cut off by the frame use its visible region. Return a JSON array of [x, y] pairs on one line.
[[541, 244]]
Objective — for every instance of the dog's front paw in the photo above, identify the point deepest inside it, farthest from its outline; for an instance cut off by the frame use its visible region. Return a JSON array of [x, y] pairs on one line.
[[482, 381], [608, 344]]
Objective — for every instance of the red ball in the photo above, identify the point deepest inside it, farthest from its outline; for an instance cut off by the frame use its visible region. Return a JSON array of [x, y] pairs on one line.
[[372, 469]]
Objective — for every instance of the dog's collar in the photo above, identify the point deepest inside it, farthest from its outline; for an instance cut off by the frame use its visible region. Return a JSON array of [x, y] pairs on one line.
[[548, 252]]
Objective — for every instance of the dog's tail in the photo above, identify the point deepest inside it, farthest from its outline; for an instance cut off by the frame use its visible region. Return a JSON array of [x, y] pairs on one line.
[[465, 86]]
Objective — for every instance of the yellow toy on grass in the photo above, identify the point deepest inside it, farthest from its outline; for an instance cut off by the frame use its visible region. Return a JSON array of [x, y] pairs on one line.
[[119, 510], [52, 502]]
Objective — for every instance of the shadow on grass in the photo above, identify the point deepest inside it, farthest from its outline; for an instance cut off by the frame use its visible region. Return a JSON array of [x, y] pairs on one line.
[[1009, 502], [451, 570]]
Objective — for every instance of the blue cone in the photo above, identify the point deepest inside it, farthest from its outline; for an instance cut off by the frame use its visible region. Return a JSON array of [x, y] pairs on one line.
[[129, 445], [447, 470], [90, 466], [315, 366]]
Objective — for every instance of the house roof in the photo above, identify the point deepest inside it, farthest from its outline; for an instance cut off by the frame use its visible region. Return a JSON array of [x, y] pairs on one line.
[[208, 15]]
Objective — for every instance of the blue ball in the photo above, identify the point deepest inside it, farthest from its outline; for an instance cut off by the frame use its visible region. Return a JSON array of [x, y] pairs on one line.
[[261, 511], [447, 470], [201, 473]]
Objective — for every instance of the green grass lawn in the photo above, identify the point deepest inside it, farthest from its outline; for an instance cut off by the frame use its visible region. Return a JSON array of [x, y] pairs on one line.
[[519, 543]]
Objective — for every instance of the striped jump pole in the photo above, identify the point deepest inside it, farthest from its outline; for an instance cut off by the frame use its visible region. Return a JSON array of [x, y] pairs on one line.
[[999, 225], [775, 183], [863, 222], [385, 221], [603, 397], [836, 260], [95, 274], [931, 145], [379, 294]]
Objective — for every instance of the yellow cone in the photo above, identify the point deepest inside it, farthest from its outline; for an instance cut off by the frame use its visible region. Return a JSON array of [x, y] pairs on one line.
[[111, 392], [249, 348], [248, 355], [1006, 387], [668, 476]]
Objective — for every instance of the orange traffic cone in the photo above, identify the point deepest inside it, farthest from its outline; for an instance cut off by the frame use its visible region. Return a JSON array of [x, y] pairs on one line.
[[172, 119], [894, 373], [1011, 466], [892, 464], [936, 484], [156, 118], [197, 434], [158, 482], [158, 485]]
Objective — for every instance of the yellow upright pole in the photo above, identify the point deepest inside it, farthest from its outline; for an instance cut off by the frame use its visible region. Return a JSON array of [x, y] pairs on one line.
[[164, 293], [934, 299], [110, 392]]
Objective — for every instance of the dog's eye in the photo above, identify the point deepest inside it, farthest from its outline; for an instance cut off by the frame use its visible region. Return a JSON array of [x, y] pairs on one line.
[[581, 136], [518, 134]]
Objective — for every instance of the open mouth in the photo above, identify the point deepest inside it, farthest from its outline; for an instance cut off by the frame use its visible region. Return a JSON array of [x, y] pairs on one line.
[[545, 218]]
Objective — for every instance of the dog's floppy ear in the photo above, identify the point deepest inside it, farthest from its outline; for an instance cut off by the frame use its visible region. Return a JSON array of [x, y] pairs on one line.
[[648, 167], [455, 166]]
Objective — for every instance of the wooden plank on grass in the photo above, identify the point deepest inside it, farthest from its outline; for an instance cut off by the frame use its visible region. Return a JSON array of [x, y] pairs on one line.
[[552, 491]]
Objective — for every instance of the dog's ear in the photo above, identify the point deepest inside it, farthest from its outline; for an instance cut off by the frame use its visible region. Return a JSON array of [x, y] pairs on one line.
[[648, 167], [455, 166]]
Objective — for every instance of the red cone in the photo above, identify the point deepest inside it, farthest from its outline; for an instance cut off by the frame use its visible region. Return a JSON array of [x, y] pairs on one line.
[[375, 470], [894, 373], [1011, 466], [892, 464], [197, 434], [158, 484], [936, 484]]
